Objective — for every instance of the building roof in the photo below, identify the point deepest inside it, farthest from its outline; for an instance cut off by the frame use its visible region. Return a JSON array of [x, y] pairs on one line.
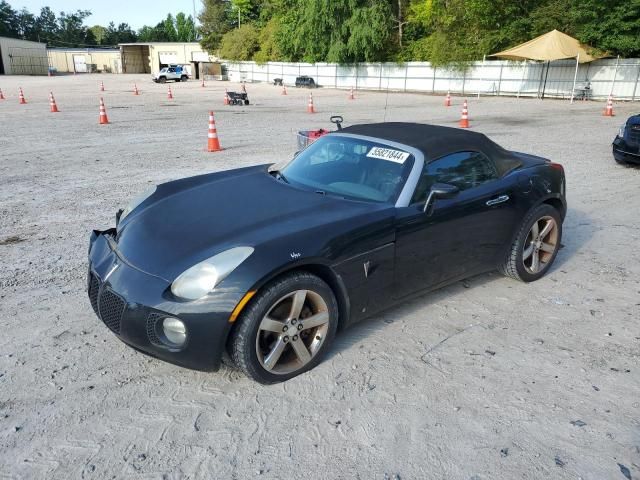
[[142, 44], [433, 141]]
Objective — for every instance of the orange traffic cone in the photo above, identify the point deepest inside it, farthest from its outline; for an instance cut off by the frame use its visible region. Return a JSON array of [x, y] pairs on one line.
[[464, 119], [102, 86], [52, 103], [135, 89], [103, 113], [1, 95], [284, 90], [169, 94], [447, 100], [21, 96], [310, 108], [226, 97], [213, 144], [351, 96], [608, 110]]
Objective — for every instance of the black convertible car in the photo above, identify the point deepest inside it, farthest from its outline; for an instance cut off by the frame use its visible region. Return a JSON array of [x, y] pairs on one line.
[[267, 262], [626, 145]]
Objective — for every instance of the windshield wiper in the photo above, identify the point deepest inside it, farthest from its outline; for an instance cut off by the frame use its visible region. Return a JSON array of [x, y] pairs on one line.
[[279, 176]]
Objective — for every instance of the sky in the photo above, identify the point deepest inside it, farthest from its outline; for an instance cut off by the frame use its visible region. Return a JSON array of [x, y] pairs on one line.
[[134, 12]]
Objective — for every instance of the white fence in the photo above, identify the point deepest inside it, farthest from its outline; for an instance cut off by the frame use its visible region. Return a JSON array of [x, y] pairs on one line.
[[619, 77]]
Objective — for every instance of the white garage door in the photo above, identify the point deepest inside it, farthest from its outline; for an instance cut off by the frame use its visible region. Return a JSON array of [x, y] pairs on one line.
[[168, 58], [79, 64]]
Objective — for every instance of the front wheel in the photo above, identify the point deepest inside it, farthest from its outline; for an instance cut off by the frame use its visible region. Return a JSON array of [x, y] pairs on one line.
[[162, 79], [285, 329], [535, 246]]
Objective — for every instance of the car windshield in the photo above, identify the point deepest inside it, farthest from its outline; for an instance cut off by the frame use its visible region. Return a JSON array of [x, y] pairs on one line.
[[351, 168], [164, 70]]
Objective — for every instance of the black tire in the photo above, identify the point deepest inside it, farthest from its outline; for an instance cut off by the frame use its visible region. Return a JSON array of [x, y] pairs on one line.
[[162, 79], [243, 343], [246, 102], [184, 78], [514, 265]]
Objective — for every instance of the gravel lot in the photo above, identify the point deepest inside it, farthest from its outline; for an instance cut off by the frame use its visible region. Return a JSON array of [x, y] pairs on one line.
[[486, 379]]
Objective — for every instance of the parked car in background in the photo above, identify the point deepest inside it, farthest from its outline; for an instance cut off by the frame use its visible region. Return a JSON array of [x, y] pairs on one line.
[[176, 73], [626, 145], [305, 81]]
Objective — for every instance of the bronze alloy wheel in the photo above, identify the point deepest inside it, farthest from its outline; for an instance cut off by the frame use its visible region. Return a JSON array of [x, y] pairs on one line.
[[540, 245], [292, 332]]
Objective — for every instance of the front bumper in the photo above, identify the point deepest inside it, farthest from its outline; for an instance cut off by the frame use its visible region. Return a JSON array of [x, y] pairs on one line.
[[132, 304], [623, 152]]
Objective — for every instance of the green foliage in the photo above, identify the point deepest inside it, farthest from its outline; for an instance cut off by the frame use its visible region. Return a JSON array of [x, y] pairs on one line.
[[185, 28], [444, 32], [213, 23], [268, 42], [343, 32], [241, 43]]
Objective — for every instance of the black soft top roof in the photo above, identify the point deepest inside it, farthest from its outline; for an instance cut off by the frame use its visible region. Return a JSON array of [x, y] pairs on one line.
[[433, 141]]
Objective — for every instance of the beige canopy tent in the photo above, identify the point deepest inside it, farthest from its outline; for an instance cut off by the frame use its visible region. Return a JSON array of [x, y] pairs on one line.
[[551, 46]]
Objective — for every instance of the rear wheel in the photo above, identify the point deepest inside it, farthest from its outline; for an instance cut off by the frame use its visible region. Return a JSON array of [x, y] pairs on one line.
[[536, 245], [285, 329], [184, 78]]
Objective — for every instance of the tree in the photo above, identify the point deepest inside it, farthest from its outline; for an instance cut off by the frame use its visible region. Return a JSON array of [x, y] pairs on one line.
[[240, 43], [26, 25], [343, 32], [100, 33], [170, 32], [47, 25], [185, 28], [120, 34], [213, 23], [8, 20], [72, 32]]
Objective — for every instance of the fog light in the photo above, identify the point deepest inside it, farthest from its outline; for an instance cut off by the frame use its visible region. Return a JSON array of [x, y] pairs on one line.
[[175, 331]]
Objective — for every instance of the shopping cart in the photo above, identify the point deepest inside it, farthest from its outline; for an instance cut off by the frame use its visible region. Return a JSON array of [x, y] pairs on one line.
[[307, 137]]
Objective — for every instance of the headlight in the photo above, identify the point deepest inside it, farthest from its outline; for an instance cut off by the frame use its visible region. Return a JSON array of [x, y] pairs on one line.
[[137, 201], [203, 277], [622, 129]]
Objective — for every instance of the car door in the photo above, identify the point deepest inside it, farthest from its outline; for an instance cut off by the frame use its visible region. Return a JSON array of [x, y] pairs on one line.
[[456, 237]]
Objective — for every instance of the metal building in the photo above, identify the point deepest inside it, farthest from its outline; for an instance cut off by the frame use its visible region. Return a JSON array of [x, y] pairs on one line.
[[151, 57], [22, 57], [84, 60]]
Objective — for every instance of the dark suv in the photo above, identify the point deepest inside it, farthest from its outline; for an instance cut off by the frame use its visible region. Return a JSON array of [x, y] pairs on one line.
[[305, 81]]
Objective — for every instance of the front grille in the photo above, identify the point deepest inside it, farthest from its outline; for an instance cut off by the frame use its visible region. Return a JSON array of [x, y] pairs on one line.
[[94, 289], [111, 309], [152, 319], [634, 134]]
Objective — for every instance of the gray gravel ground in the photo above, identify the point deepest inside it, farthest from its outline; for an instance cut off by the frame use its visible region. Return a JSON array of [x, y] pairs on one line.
[[486, 379]]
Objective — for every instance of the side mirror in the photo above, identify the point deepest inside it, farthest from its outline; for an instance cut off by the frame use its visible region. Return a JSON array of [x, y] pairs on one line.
[[439, 190]]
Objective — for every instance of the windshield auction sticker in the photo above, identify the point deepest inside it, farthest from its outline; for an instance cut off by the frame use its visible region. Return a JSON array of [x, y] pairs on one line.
[[397, 156]]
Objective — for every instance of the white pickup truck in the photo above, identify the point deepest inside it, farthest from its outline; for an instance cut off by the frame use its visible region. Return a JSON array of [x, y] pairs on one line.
[[173, 72]]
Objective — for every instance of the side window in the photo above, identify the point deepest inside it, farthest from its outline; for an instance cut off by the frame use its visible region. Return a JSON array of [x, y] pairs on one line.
[[465, 170]]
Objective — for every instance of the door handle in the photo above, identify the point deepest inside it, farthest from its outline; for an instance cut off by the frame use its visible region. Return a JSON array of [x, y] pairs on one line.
[[497, 200]]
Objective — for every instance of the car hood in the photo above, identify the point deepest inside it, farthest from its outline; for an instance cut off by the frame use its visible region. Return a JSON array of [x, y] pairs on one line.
[[190, 220], [633, 120]]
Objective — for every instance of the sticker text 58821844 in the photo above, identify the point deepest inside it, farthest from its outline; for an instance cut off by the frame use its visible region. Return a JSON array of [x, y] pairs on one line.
[[390, 154]]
